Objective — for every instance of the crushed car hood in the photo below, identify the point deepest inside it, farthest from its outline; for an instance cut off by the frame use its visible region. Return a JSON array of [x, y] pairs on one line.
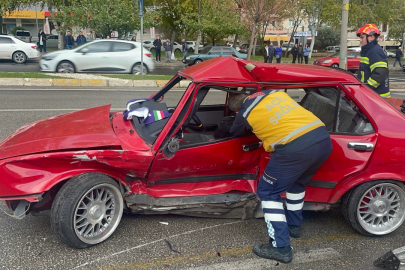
[[83, 129]]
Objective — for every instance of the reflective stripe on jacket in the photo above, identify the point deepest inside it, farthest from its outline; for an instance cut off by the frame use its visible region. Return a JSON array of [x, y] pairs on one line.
[[373, 68]]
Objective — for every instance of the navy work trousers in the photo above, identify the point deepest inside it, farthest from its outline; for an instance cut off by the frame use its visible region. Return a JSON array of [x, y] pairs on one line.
[[288, 172]]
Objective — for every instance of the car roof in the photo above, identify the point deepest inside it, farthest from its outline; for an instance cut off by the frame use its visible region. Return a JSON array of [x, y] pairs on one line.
[[230, 69]]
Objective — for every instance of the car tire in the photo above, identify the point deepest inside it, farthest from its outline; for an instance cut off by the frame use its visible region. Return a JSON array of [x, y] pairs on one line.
[[335, 65], [177, 50], [87, 210], [152, 49], [191, 50], [197, 61], [375, 208], [19, 57], [136, 69], [65, 67]]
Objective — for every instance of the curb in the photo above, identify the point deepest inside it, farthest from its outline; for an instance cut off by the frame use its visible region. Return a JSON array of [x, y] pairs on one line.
[[112, 83]]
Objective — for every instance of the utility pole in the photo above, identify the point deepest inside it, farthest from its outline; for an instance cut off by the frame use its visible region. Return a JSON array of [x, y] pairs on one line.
[[343, 35], [141, 15]]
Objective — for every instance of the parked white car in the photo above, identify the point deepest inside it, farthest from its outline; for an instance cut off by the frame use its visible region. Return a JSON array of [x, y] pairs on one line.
[[17, 50], [148, 45], [107, 56], [191, 45]]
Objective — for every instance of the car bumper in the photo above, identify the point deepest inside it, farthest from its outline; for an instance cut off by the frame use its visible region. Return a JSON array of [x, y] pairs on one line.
[[47, 66], [316, 63], [33, 54]]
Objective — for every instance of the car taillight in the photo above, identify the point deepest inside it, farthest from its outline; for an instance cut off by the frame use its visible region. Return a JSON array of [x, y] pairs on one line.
[[33, 46], [148, 54]]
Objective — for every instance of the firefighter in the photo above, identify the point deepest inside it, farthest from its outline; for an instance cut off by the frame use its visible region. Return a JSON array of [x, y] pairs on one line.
[[373, 69], [299, 143]]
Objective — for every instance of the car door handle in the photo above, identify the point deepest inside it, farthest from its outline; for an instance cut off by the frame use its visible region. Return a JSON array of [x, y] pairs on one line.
[[251, 147], [360, 146]]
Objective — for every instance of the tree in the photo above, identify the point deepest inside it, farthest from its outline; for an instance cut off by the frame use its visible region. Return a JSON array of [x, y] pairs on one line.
[[255, 12], [296, 15], [327, 36]]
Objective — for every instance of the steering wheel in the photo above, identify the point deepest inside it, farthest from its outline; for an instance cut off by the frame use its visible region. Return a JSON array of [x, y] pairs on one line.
[[198, 125]]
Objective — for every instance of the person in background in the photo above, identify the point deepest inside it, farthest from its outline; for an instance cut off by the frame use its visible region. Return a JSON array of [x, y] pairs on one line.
[[184, 49], [373, 68], [168, 50], [41, 40], [108, 37], [227, 44], [271, 52], [158, 47], [306, 51], [69, 41], [266, 53], [80, 39], [300, 53], [299, 144], [133, 38], [398, 55], [279, 52], [294, 52]]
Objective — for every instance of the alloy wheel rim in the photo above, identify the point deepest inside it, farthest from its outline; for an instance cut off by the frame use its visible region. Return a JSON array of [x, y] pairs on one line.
[[381, 209], [19, 57], [65, 68], [98, 214], [137, 70]]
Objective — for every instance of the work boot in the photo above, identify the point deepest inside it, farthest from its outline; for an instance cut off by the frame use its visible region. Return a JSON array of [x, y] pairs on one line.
[[267, 251], [295, 231]]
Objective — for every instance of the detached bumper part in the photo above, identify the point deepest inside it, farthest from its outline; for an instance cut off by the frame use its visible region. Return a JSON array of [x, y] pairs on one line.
[[393, 259], [21, 210]]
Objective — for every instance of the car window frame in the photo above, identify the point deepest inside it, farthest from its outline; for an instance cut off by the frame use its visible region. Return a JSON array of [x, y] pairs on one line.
[[114, 43], [94, 43], [11, 41]]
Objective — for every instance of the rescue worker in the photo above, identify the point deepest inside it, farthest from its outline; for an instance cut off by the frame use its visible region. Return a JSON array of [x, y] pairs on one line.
[[299, 143], [373, 69]]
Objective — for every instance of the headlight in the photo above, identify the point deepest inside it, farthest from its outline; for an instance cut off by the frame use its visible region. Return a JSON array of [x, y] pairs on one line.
[[188, 57], [327, 61], [48, 57]]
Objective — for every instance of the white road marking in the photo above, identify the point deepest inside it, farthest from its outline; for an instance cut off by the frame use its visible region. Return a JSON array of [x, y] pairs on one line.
[[155, 241], [299, 258]]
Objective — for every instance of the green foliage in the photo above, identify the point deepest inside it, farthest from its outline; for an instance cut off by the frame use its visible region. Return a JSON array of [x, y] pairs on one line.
[[327, 36], [14, 31]]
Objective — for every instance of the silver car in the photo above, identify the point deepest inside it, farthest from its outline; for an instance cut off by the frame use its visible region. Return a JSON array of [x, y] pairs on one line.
[[106, 56]]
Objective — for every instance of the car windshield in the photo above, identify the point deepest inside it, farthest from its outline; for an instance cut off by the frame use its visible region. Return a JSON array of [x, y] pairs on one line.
[[158, 108], [206, 50], [23, 34]]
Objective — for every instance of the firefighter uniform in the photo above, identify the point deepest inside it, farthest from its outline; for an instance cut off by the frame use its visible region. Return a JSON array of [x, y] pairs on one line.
[[373, 68], [299, 143]]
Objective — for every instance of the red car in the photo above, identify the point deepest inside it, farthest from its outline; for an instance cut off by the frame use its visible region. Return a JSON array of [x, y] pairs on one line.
[[89, 166], [353, 61]]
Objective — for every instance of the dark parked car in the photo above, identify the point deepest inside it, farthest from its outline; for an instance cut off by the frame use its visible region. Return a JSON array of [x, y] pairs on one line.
[[211, 52], [88, 166]]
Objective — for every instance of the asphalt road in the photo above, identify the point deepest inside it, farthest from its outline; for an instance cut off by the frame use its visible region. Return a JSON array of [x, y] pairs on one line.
[[33, 66], [327, 243]]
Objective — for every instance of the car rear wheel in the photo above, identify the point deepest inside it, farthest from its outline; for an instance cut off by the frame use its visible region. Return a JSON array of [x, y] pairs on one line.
[[177, 50], [65, 67], [335, 65], [136, 69], [19, 57], [87, 210], [198, 61], [375, 208]]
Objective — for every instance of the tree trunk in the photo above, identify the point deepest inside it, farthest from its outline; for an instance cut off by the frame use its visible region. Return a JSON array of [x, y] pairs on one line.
[[1, 25], [312, 44], [252, 37], [235, 41]]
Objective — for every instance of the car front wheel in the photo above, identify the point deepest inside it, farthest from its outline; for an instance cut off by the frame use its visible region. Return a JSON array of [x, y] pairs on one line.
[[19, 57], [87, 210], [375, 208], [65, 67], [136, 69], [335, 65], [198, 61]]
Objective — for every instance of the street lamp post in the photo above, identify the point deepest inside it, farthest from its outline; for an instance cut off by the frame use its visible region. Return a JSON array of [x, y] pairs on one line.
[[343, 35]]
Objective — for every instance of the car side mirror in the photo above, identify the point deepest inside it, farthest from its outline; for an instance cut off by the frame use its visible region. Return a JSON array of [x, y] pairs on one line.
[[171, 148], [209, 53], [84, 50]]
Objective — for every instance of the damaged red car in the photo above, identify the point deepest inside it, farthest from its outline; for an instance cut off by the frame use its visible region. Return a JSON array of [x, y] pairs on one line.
[[172, 153]]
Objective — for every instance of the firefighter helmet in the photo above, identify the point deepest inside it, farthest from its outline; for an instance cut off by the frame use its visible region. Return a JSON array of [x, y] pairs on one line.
[[368, 29]]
